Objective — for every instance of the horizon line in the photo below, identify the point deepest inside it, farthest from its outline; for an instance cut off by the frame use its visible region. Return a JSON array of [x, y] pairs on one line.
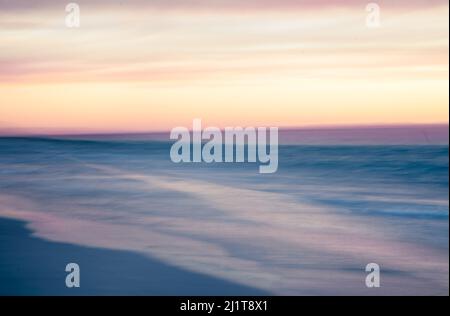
[[61, 131], [65, 132]]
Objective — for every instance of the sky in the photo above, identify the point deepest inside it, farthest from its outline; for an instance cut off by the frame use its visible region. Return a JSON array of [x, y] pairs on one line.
[[153, 65]]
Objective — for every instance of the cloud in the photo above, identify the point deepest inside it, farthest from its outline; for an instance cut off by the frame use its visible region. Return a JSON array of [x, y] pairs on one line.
[[233, 5]]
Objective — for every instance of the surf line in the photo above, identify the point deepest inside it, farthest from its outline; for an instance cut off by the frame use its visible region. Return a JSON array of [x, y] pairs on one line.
[[208, 144]]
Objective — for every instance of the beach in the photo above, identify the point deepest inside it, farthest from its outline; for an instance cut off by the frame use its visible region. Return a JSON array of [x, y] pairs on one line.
[[32, 266]]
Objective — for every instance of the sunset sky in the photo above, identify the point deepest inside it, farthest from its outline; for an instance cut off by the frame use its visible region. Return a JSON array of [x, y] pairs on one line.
[[153, 65]]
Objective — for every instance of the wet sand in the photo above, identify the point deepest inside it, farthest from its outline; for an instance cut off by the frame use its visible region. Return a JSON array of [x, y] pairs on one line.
[[33, 266]]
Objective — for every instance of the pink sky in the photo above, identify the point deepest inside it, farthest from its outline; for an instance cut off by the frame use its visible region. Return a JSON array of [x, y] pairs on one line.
[[153, 65]]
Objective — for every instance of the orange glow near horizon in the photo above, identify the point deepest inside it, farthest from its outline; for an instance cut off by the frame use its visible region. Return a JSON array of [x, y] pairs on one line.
[[132, 69]]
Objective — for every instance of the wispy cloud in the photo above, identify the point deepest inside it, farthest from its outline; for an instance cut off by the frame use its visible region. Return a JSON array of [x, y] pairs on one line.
[[233, 5]]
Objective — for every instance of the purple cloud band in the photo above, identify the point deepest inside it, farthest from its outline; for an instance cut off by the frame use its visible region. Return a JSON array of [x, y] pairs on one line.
[[234, 5]]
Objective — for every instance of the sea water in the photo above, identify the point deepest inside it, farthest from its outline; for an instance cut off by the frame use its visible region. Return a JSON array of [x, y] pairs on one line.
[[309, 228]]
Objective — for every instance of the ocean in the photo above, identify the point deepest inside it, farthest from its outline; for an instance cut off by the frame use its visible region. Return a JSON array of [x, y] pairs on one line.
[[308, 229]]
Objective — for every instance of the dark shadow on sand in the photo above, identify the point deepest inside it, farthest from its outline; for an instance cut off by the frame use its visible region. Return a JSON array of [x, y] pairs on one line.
[[33, 266]]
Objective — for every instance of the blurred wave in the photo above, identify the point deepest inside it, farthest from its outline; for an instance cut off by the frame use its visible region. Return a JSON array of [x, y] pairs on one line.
[[310, 228]]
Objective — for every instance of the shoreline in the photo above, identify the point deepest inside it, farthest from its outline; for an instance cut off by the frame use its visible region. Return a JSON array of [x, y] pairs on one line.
[[30, 265]]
